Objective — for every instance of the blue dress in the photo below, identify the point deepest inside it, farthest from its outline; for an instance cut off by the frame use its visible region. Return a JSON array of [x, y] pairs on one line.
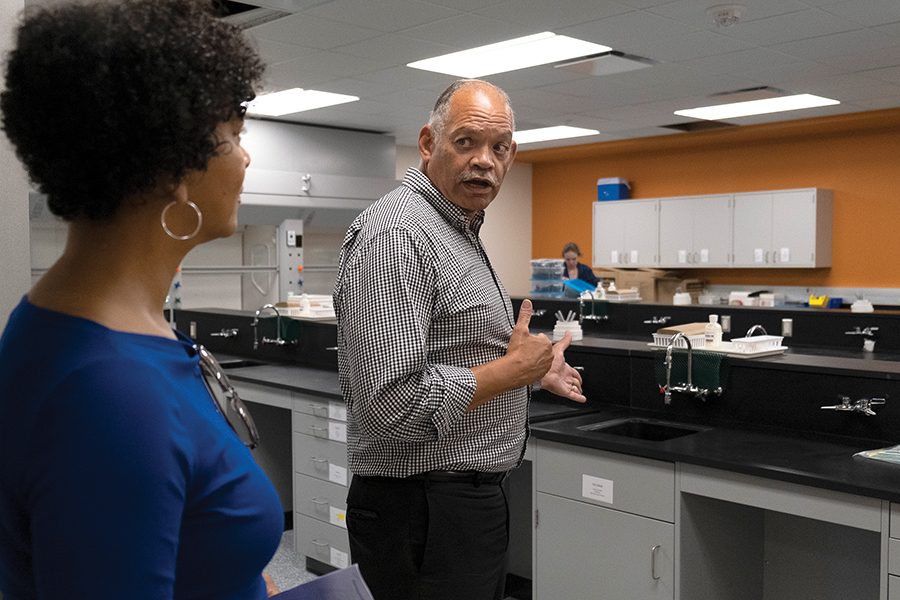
[[118, 477]]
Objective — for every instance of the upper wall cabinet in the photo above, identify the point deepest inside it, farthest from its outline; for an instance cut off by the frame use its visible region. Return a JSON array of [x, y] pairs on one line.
[[781, 228], [626, 233], [695, 231], [786, 228]]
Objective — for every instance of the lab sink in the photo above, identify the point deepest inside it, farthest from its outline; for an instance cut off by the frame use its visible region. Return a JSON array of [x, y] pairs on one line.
[[641, 428], [239, 364]]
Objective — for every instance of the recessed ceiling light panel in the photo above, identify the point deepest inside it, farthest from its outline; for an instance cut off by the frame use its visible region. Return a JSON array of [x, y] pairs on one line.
[[559, 132], [756, 107], [511, 55], [294, 100]]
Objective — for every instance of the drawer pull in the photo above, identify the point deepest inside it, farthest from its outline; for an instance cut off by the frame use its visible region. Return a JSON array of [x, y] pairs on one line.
[[653, 552], [319, 544], [318, 409], [317, 431], [319, 501], [318, 460]]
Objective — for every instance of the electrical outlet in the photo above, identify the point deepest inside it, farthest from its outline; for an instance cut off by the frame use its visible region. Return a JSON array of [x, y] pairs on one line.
[[787, 327]]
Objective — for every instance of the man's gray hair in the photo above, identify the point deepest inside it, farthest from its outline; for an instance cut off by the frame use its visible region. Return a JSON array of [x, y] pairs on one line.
[[441, 109]]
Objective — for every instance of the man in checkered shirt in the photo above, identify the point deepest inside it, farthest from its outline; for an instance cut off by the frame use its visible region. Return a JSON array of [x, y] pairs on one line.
[[433, 366]]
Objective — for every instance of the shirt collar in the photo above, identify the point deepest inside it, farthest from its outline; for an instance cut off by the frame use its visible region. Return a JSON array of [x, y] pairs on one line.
[[462, 219]]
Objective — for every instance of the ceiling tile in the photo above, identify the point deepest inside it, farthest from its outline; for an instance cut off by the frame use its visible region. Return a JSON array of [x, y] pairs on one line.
[[384, 15], [867, 12], [824, 48], [552, 15], [694, 12], [468, 31], [799, 25], [692, 45], [395, 49], [629, 31], [311, 31]]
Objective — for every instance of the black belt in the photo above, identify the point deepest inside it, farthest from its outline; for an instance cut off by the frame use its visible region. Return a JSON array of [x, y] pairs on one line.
[[475, 478]]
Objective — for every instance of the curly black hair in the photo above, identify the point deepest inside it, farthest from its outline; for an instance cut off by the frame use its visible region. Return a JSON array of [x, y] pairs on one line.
[[107, 100]]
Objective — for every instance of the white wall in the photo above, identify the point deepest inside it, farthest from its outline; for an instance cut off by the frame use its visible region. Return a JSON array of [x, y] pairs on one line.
[[506, 232], [15, 259]]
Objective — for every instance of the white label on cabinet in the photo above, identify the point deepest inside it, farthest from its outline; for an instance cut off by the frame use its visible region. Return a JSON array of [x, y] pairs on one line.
[[337, 474], [758, 255], [339, 559], [633, 258], [337, 411], [784, 255], [682, 257], [614, 257], [596, 488], [337, 517], [337, 431], [704, 255]]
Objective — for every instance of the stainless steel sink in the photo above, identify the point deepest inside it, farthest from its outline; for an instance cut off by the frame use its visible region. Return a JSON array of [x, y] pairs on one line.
[[239, 364], [641, 428]]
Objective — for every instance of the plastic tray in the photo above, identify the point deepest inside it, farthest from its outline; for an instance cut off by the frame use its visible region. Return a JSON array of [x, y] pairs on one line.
[[662, 339], [757, 343]]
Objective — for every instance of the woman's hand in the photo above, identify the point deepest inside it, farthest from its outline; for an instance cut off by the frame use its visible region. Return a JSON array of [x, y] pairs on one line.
[[271, 588]]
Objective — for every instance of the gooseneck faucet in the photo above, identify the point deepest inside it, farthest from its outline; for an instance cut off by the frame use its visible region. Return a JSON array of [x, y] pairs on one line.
[[255, 324], [688, 387]]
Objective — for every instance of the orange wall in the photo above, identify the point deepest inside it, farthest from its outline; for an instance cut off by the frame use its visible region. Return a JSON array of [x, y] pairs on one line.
[[857, 156]]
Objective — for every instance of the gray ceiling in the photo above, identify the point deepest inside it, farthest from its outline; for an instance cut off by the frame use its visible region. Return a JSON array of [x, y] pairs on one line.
[[843, 49]]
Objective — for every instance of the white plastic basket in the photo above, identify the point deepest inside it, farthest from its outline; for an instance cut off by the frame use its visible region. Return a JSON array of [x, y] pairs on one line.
[[757, 343], [663, 339]]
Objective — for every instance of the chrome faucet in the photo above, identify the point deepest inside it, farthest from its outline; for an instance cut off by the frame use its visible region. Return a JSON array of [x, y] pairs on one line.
[[226, 333], [658, 320], [863, 405], [278, 341], [582, 300], [866, 331], [687, 387], [754, 329]]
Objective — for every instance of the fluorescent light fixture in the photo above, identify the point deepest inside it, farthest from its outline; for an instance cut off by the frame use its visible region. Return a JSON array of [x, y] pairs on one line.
[[756, 107], [295, 100], [518, 53], [559, 132]]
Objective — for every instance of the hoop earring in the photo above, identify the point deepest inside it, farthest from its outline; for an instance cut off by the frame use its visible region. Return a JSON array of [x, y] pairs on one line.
[[162, 221]]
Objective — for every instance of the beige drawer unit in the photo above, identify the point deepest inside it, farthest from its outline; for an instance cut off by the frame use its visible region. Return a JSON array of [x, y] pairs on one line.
[[631, 484], [319, 427], [894, 554], [320, 500], [320, 458], [321, 541], [320, 407]]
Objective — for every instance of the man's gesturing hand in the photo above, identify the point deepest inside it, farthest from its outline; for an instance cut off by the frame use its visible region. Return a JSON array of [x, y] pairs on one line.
[[530, 355]]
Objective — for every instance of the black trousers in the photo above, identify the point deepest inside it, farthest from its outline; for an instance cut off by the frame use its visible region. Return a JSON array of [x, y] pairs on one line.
[[430, 537]]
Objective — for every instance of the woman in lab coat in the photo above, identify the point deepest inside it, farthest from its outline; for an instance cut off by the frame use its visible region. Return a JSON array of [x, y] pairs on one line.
[[120, 475]]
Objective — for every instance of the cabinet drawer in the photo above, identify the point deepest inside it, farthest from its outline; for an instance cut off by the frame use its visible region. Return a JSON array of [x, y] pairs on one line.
[[894, 557], [321, 541], [319, 427], [320, 458], [628, 483], [263, 394], [320, 407], [893, 588], [895, 520], [320, 500]]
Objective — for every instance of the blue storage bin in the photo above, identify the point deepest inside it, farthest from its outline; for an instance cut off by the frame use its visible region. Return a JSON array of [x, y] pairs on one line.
[[612, 188]]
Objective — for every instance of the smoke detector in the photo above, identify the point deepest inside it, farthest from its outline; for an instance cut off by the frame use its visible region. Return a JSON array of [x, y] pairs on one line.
[[726, 15]]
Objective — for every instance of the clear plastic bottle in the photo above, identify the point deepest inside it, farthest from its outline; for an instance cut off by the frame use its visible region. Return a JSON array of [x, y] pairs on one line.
[[712, 333]]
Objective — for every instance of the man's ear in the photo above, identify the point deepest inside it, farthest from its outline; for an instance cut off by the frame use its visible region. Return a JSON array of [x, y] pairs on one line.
[[426, 144]]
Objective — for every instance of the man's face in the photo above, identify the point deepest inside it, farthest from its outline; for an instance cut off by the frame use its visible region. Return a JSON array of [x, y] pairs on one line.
[[468, 159]]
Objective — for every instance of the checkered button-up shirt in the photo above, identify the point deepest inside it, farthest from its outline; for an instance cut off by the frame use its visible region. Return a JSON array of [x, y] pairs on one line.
[[417, 305]]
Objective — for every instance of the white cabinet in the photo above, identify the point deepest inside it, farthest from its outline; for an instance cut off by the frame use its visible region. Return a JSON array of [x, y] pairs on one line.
[[626, 233], [695, 231], [786, 228], [604, 525], [780, 228]]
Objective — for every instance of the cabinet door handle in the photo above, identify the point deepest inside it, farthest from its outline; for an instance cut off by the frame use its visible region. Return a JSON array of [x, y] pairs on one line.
[[318, 461], [319, 543], [653, 552], [319, 501]]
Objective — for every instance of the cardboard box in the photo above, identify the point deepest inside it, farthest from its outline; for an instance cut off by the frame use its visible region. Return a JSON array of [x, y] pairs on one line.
[[657, 285]]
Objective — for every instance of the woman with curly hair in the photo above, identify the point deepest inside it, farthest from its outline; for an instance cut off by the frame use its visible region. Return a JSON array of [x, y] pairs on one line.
[[119, 476]]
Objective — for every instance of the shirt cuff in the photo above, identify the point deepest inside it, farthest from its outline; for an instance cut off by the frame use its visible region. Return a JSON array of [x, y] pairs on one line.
[[459, 390]]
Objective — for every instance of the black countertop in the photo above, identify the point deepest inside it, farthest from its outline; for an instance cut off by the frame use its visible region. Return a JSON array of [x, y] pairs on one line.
[[814, 462], [783, 456]]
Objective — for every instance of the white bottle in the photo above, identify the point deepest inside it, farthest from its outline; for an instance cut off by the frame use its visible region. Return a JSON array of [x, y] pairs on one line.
[[712, 333]]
